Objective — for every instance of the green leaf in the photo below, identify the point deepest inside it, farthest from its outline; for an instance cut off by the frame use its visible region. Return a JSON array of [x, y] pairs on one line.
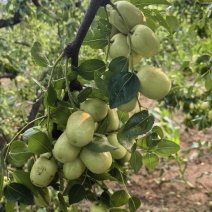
[[150, 160], [10, 206], [96, 40], [23, 177], [136, 161], [148, 142], [104, 27], [87, 68], [118, 65], [62, 205], [61, 83], [76, 193], [38, 55], [17, 192], [123, 87], [18, 153], [172, 22], [100, 144], [134, 203], [60, 115], [140, 123], [30, 132], [39, 143], [125, 140], [119, 198], [51, 96], [143, 3], [118, 210], [83, 95], [166, 148], [101, 84], [158, 130], [101, 177], [123, 116], [1, 182], [96, 93], [208, 82]]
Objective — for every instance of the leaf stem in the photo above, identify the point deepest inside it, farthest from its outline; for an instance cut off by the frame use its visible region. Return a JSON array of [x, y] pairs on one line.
[[108, 41]]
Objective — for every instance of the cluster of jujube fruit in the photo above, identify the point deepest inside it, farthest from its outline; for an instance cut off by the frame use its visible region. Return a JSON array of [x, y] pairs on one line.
[[131, 38], [71, 149]]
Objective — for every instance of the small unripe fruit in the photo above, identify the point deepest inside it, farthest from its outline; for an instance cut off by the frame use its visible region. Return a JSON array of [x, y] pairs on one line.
[[154, 83], [64, 151], [119, 47], [80, 128], [113, 120], [96, 108], [120, 151], [144, 41], [43, 171], [96, 162], [73, 169], [131, 14]]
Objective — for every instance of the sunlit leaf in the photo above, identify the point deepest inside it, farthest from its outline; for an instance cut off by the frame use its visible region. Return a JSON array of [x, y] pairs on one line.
[[39, 143], [150, 160], [119, 198], [38, 55], [166, 148]]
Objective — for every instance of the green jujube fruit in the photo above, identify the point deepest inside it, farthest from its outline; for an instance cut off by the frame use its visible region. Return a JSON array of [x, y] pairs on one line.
[[96, 162], [73, 169], [144, 41], [43, 171], [63, 150], [113, 120], [131, 14], [80, 128], [119, 47], [96, 108], [129, 106], [117, 153], [154, 83]]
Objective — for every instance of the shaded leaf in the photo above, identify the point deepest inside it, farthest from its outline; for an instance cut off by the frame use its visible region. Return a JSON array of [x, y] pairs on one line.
[[88, 67], [140, 123], [23, 177], [143, 3], [83, 95], [30, 132], [17, 192], [118, 65], [76, 193], [1, 182], [101, 84], [123, 87], [39, 143], [100, 144], [60, 115], [136, 161], [50, 96]]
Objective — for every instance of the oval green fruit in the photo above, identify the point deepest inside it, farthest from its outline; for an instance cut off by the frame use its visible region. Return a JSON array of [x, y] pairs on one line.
[[96, 162], [154, 83], [131, 14], [129, 106], [97, 207], [43, 172], [113, 120], [96, 108], [73, 169], [205, 106], [80, 128], [64, 151], [117, 153], [126, 158], [210, 115], [144, 41], [119, 47]]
